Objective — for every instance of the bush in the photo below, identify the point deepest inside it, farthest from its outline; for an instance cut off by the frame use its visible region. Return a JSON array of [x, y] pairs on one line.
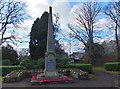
[[6, 62], [27, 63], [112, 66], [8, 52], [40, 63], [21, 58], [8, 69], [92, 77], [83, 67], [62, 62]]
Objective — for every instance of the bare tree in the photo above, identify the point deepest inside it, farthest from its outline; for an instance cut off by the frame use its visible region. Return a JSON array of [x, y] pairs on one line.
[[12, 14], [59, 34], [113, 11], [85, 17]]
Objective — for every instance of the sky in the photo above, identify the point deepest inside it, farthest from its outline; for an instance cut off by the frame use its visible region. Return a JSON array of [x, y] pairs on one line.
[[65, 8]]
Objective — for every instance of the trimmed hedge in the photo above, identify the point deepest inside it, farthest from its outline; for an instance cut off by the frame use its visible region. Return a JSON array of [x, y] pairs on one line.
[[83, 67], [112, 66], [27, 63], [62, 61], [6, 62], [8, 69]]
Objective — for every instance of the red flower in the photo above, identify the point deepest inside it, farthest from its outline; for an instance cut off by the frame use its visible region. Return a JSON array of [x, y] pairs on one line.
[[34, 78], [56, 80], [52, 80]]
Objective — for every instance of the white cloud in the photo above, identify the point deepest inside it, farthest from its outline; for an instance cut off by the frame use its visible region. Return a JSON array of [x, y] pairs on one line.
[[65, 46], [37, 7], [63, 9], [74, 10], [103, 24], [28, 24], [86, 0], [107, 39]]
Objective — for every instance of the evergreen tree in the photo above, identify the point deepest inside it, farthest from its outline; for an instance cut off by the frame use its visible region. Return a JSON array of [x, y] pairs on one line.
[[38, 37]]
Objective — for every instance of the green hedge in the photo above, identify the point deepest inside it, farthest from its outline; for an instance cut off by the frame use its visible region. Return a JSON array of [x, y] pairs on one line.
[[62, 62], [27, 63], [112, 66], [8, 69], [84, 67], [6, 62]]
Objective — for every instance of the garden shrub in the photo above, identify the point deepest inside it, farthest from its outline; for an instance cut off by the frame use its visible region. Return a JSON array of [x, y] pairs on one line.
[[6, 62], [8, 69], [92, 77], [40, 64], [27, 63], [83, 67], [112, 66], [21, 58], [62, 62]]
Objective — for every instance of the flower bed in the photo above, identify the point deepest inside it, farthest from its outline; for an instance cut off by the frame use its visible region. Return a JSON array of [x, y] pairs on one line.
[[75, 73], [14, 76], [18, 75]]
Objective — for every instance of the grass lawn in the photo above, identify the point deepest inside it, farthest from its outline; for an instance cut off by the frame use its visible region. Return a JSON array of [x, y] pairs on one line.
[[0, 78], [102, 69], [113, 72]]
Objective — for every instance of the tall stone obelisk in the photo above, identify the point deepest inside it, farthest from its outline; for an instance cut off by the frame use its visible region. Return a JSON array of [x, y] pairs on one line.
[[50, 61]]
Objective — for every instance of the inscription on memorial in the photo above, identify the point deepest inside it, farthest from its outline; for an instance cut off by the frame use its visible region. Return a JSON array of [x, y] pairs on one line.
[[51, 66], [51, 58]]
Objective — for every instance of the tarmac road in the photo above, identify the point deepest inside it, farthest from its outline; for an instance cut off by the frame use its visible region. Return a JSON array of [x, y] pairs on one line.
[[103, 80]]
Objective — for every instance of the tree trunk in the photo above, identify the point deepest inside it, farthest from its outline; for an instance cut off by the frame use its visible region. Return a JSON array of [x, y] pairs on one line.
[[117, 44], [91, 49]]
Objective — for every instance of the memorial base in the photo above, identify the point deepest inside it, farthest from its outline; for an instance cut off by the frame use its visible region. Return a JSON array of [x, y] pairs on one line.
[[38, 79], [51, 74]]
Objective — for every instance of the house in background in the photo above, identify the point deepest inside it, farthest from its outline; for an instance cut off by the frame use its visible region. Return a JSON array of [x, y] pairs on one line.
[[76, 56], [110, 46]]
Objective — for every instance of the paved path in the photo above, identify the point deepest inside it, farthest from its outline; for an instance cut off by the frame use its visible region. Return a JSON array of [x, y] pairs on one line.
[[103, 80]]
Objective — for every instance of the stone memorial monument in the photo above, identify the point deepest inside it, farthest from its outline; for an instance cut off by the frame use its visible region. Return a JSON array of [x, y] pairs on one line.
[[50, 61], [50, 73]]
